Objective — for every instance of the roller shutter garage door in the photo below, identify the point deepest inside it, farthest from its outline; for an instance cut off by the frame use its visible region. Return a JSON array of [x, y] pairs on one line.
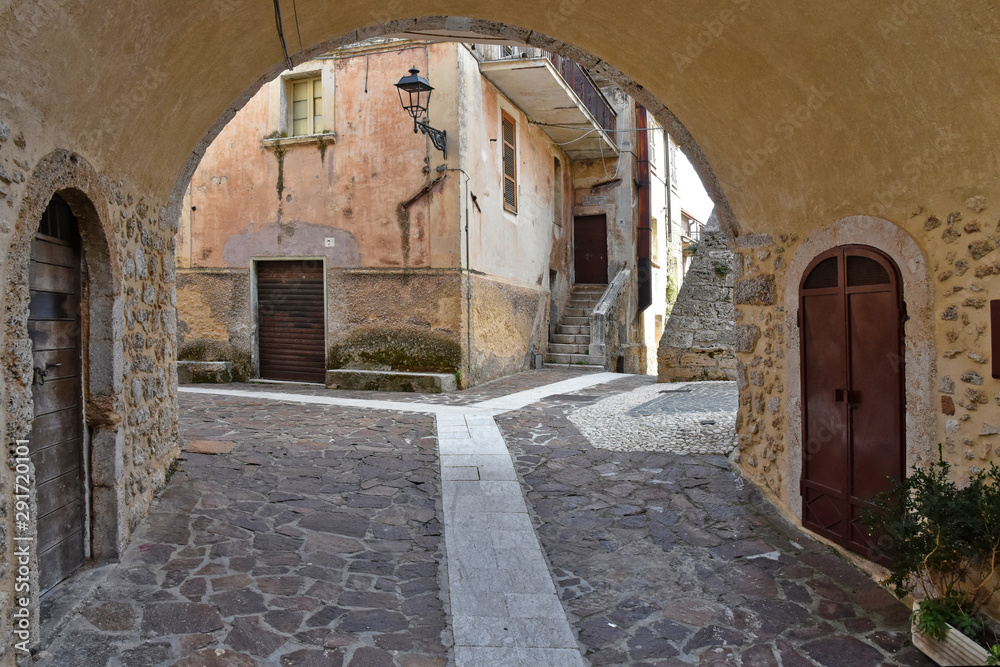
[[290, 322]]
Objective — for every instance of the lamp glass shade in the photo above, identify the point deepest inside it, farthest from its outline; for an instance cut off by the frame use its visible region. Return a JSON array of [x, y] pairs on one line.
[[414, 93]]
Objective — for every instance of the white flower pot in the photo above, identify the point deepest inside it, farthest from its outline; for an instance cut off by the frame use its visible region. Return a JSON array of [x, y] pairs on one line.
[[956, 649]]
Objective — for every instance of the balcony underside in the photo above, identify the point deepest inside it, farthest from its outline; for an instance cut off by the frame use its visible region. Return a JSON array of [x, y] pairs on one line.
[[535, 86]]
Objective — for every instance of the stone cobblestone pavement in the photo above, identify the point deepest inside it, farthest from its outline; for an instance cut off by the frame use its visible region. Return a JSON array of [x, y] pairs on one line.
[[317, 540], [686, 418], [671, 559]]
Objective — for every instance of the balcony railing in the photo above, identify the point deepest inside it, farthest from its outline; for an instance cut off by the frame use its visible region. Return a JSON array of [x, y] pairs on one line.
[[575, 77]]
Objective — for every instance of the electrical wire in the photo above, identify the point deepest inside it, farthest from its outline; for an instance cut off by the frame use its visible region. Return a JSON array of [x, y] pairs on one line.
[[281, 32], [295, 12], [592, 129]]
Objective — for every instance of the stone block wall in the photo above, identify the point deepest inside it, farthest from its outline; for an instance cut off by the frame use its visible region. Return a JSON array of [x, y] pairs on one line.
[[128, 329], [699, 337], [949, 261]]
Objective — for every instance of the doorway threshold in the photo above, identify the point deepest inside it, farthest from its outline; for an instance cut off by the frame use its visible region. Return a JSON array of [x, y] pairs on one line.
[[60, 604], [292, 382]]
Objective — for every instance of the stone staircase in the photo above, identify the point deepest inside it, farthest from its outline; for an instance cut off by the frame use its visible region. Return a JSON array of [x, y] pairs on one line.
[[569, 346]]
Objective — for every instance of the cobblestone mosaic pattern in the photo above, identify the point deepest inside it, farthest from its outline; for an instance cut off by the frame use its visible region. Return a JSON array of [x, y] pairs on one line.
[[688, 418], [671, 559], [315, 542], [690, 397]]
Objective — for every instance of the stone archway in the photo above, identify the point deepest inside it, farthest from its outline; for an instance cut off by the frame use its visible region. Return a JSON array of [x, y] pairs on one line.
[[918, 342]]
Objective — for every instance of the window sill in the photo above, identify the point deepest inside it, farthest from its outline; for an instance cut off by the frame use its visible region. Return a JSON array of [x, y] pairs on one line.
[[272, 142]]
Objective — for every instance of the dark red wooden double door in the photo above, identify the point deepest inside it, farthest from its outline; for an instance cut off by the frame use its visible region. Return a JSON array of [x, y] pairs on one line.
[[851, 322]]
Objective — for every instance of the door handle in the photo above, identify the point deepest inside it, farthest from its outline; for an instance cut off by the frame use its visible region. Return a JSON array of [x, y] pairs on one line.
[[852, 398]]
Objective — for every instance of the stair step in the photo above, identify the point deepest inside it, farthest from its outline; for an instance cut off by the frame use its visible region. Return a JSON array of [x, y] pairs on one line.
[[568, 348], [576, 321], [589, 287], [575, 367], [554, 358], [570, 339], [573, 311], [572, 330]]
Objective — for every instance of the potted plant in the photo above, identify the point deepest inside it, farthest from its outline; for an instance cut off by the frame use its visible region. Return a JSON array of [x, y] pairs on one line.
[[943, 541]]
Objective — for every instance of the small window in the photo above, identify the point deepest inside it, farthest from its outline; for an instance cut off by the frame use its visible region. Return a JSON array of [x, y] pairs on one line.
[[306, 106], [509, 163]]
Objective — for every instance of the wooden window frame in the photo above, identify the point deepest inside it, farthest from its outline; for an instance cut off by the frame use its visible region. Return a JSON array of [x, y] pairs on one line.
[[312, 79], [507, 118]]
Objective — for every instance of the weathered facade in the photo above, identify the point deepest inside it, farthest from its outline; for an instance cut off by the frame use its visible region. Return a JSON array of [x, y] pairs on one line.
[[828, 140], [429, 263]]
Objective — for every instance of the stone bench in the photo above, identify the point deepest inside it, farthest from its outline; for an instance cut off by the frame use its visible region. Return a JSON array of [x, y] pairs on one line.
[[424, 383], [210, 372]]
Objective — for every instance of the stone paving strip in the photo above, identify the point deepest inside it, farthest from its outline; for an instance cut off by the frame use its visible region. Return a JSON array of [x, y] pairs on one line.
[[685, 418], [493, 406], [504, 606]]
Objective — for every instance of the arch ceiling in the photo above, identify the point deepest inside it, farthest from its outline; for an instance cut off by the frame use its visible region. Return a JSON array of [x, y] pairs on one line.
[[807, 112]]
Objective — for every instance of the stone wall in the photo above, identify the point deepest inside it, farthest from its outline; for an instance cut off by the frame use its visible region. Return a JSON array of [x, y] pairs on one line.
[[509, 326], [699, 337], [214, 318], [405, 319], [377, 319], [949, 263], [128, 327]]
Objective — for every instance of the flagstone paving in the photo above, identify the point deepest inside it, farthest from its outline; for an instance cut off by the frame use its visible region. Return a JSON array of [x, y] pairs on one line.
[[672, 559], [318, 540]]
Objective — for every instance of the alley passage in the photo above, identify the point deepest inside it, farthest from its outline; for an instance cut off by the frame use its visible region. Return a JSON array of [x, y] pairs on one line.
[[308, 527]]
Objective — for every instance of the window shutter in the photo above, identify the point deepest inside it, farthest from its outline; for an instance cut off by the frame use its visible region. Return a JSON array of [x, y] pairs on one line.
[[509, 163]]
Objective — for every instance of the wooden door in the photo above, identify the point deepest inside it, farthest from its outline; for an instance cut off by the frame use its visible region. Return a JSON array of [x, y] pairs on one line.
[[851, 324], [590, 249], [56, 441], [290, 320]]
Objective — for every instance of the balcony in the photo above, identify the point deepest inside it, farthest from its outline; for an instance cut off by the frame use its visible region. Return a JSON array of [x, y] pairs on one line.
[[556, 93]]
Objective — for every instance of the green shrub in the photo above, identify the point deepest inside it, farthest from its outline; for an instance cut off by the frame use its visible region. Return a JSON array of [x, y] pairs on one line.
[[944, 542]]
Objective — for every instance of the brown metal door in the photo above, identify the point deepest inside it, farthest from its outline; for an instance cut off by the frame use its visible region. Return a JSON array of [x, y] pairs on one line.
[[57, 430], [290, 320], [850, 310], [590, 249]]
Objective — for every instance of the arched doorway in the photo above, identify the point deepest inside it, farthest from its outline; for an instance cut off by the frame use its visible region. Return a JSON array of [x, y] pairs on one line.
[[57, 431], [851, 316]]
